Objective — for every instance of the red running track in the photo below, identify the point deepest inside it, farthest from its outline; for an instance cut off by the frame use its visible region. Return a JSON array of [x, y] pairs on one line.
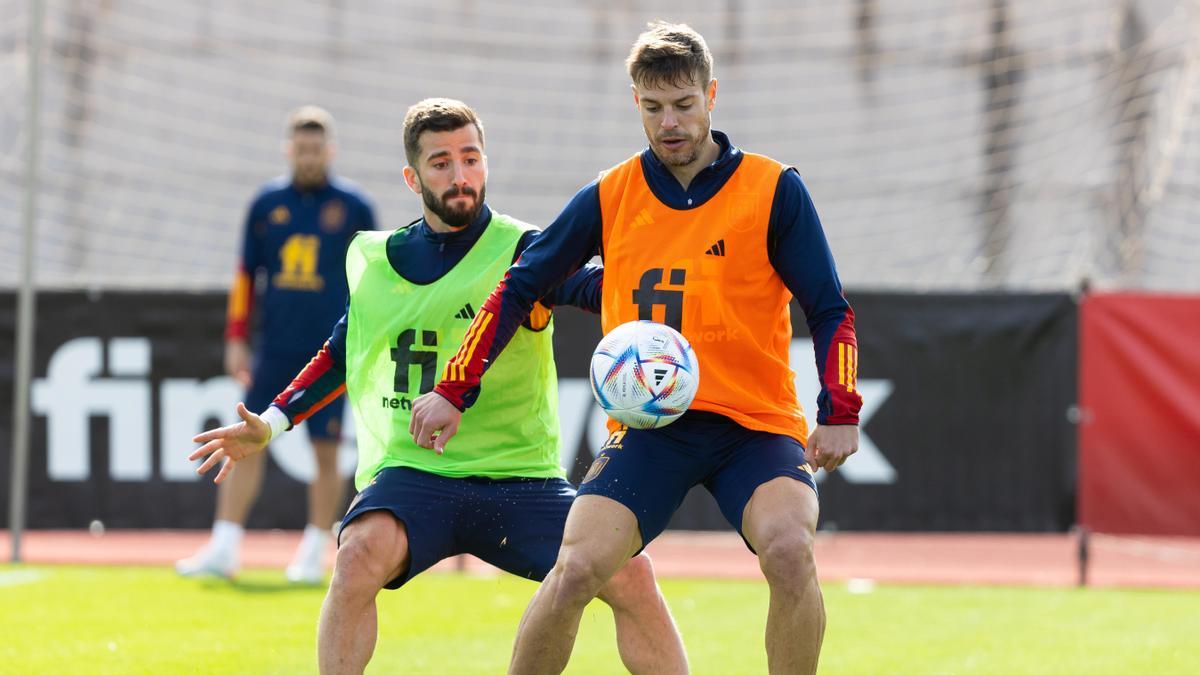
[[1010, 559]]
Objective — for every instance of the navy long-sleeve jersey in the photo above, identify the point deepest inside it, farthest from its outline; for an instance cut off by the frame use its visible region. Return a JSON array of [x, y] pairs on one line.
[[294, 246]]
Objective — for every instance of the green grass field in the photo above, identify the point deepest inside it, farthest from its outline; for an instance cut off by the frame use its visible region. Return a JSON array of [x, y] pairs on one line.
[[146, 620]]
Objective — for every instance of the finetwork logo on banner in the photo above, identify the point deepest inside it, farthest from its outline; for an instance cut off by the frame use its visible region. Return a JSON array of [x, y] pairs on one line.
[[80, 384]]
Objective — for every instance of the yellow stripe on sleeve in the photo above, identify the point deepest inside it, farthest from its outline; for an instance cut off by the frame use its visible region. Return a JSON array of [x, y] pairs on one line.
[[842, 363], [462, 350], [238, 296], [456, 367], [852, 366], [487, 320]]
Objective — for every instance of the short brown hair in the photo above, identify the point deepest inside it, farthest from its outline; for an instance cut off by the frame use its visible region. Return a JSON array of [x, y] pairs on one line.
[[435, 114], [670, 54], [309, 118]]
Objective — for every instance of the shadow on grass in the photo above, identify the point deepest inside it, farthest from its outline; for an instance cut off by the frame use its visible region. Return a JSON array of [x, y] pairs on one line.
[[257, 586]]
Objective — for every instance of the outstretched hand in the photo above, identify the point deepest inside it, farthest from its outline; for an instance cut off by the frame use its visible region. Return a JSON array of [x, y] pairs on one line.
[[434, 421], [232, 443], [830, 446]]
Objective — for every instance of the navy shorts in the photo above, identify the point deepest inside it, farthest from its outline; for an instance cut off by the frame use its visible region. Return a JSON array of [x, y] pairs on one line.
[[272, 375], [515, 524], [650, 471]]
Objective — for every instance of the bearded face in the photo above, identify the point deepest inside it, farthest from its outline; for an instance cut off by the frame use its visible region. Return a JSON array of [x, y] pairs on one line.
[[450, 176], [457, 207]]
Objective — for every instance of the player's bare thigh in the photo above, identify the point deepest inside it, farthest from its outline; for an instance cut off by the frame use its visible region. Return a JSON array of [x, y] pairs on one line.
[[602, 531], [782, 506], [375, 543]]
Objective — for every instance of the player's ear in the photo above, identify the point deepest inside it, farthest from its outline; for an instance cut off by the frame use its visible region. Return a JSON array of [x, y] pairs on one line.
[[286, 148], [637, 101], [711, 93], [412, 179]]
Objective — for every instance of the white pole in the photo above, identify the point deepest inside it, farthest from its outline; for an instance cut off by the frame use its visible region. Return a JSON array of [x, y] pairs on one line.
[[25, 300]]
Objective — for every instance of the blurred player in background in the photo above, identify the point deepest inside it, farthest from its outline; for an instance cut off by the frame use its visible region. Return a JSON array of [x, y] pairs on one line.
[[294, 245], [500, 495], [715, 242]]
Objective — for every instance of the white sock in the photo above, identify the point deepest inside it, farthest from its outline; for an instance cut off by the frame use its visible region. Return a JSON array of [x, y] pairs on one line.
[[313, 543], [227, 536]]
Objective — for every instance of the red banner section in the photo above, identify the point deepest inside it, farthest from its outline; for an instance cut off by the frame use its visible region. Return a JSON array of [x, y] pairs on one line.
[[1139, 438]]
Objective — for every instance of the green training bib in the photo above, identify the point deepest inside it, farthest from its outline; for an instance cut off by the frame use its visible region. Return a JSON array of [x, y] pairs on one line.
[[400, 336]]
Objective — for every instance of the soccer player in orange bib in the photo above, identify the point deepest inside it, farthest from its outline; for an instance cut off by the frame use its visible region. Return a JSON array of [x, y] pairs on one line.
[[715, 242]]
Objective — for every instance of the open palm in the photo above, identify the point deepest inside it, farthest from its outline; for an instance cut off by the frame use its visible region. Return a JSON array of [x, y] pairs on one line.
[[231, 443]]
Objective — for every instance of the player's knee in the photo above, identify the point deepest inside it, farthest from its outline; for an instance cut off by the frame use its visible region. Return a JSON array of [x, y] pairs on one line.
[[787, 559], [580, 578], [636, 576], [633, 583], [360, 567], [353, 563]]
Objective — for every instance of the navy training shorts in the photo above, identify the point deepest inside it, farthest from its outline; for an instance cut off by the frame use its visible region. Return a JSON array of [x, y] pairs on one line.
[[515, 524], [650, 471], [272, 374]]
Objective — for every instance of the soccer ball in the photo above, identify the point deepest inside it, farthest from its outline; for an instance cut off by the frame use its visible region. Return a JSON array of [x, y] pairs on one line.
[[644, 374]]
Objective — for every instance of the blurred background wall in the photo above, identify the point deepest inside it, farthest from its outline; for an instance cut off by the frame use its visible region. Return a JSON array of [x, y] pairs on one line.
[[949, 144]]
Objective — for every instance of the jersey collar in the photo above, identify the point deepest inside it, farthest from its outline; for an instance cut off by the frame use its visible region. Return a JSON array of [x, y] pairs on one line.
[[706, 183], [467, 234]]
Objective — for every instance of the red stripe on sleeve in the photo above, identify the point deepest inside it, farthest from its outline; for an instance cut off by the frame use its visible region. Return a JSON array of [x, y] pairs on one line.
[[292, 399], [841, 374], [463, 372]]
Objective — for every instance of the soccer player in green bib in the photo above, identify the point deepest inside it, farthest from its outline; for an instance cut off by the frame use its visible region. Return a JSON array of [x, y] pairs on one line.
[[499, 494]]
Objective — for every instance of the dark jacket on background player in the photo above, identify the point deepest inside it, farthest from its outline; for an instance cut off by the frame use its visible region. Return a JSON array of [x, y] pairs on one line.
[[294, 245]]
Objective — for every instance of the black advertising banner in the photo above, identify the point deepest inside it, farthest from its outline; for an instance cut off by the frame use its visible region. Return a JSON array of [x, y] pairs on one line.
[[121, 383], [965, 425]]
